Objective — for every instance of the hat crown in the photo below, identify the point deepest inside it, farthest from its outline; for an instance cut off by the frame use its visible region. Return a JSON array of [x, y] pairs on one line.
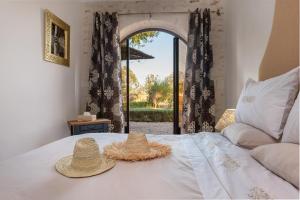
[[137, 143], [86, 154]]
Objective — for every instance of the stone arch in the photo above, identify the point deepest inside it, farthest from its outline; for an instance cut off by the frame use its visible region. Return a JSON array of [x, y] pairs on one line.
[[172, 24]]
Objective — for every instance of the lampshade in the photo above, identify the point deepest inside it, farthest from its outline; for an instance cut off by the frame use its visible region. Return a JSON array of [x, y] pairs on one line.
[[227, 118]]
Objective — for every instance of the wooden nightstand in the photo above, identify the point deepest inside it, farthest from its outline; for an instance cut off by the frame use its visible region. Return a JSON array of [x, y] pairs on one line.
[[81, 127]]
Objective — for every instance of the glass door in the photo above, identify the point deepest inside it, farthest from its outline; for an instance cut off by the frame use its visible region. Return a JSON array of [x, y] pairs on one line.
[[157, 112]]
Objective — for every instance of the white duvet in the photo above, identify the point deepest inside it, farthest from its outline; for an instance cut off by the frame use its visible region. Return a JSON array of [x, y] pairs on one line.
[[201, 166]]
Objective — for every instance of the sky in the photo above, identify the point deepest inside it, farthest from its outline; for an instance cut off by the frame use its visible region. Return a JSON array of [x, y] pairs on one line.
[[161, 48]]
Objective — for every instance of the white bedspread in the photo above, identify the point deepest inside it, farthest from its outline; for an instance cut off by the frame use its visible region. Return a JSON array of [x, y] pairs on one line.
[[201, 166]]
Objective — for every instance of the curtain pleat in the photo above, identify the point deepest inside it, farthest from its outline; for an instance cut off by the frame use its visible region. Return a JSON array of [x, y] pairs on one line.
[[199, 95], [105, 98]]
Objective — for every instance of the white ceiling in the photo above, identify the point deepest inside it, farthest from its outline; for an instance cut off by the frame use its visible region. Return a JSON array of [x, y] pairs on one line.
[[77, 1], [91, 1], [108, 0], [86, 1]]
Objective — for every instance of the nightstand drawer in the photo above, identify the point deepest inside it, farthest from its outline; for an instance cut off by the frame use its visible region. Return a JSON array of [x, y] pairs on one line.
[[95, 128], [91, 127]]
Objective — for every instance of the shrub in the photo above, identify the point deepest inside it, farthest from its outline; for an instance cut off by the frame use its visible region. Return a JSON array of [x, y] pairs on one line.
[[139, 104], [151, 115]]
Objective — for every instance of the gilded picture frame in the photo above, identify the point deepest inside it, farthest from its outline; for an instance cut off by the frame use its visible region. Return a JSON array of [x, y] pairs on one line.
[[57, 40]]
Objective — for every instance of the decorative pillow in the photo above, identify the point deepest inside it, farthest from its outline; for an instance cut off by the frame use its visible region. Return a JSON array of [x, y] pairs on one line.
[[291, 129], [247, 136], [227, 118], [281, 159], [266, 104]]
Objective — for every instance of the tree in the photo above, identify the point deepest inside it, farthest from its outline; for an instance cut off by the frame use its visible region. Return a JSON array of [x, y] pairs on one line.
[[169, 79], [158, 90], [169, 95], [134, 84], [142, 38], [137, 40], [150, 80]]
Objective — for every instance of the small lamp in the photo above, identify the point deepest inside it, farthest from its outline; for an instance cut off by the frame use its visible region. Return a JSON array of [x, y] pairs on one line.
[[227, 118]]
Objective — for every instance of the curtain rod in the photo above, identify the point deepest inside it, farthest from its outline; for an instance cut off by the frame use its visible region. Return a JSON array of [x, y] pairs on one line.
[[217, 12]]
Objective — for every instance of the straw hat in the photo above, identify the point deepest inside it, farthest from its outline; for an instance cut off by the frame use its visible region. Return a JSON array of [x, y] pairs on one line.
[[85, 161], [136, 148]]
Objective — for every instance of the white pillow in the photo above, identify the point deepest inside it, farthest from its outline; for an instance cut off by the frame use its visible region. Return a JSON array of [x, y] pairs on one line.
[[266, 104], [247, 136], [291, 129]]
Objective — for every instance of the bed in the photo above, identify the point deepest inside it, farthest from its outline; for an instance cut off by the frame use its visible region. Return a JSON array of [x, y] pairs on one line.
[[201, 166], [204, 165]]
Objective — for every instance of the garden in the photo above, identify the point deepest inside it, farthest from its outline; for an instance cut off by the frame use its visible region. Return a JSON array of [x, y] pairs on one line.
[[151, 101]]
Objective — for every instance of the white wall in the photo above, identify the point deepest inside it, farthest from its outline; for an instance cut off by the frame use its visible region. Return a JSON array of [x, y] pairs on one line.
[[37, 97], [177, 23], [248, 25]]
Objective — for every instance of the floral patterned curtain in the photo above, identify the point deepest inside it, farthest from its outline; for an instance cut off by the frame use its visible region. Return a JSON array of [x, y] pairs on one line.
[[105, 99], [199, 95]]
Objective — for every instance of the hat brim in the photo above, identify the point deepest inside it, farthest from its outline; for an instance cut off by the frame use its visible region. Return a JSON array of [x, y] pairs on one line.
[[117, 151], [63, 166]]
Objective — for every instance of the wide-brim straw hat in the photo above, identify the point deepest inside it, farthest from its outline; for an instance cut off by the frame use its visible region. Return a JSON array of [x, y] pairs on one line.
[[86, 160], [136, 148]]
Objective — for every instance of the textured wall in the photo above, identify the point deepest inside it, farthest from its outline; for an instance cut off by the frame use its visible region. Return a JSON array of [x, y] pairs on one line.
[[177, 23]]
